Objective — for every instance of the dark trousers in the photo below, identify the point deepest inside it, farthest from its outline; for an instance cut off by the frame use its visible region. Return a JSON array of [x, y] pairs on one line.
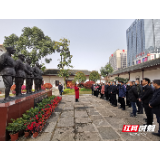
[[102, 95], [97, 93], [114, 100], [149, 114], [122, 103], [94, 93], [60, 92], [106, 94], [140, 106], [158, 120], [119, 99], [109, 97], [127, 101], [134, 111]]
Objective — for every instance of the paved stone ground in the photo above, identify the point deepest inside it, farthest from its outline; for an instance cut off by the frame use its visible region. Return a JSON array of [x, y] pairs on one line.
[[91, 119]]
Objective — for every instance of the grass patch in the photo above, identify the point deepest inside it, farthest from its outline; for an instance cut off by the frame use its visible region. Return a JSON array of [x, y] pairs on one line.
[[81, 91]]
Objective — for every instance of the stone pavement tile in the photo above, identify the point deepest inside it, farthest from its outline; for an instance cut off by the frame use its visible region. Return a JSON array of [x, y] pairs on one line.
[[41, 137], [82, 120], [96, 117], [92, 112], [80, 113], [64, 134], [107, 133], [101, 123], [153, 137], [88, 136], [78, 106], [85, 127], [106, 113], [115, 122], [68, 107], [59, 108], [54, 117], [67, 114], [50, 127], [66, 122]]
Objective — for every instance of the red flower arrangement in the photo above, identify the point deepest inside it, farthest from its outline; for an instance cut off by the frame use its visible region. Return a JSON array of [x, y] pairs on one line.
[[47, 86], [33, 127]]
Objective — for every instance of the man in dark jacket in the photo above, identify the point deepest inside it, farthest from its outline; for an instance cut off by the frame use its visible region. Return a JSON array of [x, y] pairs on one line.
[[118, 85], [92, 89], [145, 97], [109, 92], [139, 104], [127, 90], [154, 103], [113, 94], [106, 91], [60, 88], [122, 94], [133, 95]]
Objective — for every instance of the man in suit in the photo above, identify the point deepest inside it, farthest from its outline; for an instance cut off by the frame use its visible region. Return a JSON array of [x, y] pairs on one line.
[[122, 94], [118, 85], [113, 94], [139, 104], [145, 97], [109, 92], [133, 96], [106, 91], [154, 103], [127, 90]]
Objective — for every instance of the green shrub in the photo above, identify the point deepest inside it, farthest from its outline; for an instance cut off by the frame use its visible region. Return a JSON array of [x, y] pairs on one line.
[[65, 91], [85, 89]]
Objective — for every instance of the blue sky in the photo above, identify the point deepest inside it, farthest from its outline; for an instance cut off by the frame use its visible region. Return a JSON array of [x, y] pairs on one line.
[[92, 41]]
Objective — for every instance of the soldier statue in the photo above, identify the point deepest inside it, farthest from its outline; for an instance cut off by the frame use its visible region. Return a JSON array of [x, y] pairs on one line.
[[41, 78], [29, 77], [37, 76], [7, 70], [20, 74]]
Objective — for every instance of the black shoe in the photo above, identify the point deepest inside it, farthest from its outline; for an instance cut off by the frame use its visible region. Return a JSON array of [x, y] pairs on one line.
[[145, 119], [156, 134]]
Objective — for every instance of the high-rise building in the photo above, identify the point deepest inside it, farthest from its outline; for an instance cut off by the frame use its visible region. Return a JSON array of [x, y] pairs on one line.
[[143, 41], [118, 59]]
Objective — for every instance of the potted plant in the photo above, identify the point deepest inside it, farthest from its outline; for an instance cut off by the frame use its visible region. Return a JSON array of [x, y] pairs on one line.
[[14, 129], [34, 128]]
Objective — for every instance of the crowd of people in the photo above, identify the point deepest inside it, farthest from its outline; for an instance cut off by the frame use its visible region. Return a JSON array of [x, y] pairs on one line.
[[140, 96]]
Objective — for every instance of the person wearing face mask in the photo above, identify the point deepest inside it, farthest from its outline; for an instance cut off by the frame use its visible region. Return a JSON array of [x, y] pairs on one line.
[[122, 94], [127, 99], [113, 94], [139, 104], [154, 103]]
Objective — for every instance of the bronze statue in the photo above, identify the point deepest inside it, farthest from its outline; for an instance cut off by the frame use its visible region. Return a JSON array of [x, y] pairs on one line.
[[20, 74], [7, 70], [37, 76], [29, 75]]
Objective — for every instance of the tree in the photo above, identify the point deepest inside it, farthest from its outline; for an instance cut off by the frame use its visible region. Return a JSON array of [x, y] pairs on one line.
[[94, 76], [80, 77], [106, 70], [62, 47], [32, 42], [125, 80]]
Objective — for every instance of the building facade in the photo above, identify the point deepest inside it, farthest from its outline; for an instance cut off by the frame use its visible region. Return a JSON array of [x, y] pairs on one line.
[[143, 41], [118, 59]]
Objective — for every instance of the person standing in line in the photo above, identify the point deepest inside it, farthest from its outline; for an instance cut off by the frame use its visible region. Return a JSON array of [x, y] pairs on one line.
[[154, 103], [139, 104], [97, 89], [118, 85], [113, 94], [92, 89], [60, 88], [102, 90], [133, 96], [145, 97], [106, 91], [127, 99], [76, 92], [109, 92], [122, 94]]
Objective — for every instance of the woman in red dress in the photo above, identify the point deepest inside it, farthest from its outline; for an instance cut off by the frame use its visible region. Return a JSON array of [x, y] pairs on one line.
[[76, 92]]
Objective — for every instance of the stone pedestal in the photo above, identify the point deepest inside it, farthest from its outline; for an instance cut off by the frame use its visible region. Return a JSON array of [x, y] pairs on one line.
[[14, 109]]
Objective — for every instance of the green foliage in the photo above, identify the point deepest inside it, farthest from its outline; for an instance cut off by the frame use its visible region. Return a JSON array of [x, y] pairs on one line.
[[32, 42], [80, 77], [85, 89], [62, 47], [65, 91], [125, 80], [106, 70], [94, 76]]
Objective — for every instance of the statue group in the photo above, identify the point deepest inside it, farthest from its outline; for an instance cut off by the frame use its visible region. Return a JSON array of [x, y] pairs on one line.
[[10, 69]]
